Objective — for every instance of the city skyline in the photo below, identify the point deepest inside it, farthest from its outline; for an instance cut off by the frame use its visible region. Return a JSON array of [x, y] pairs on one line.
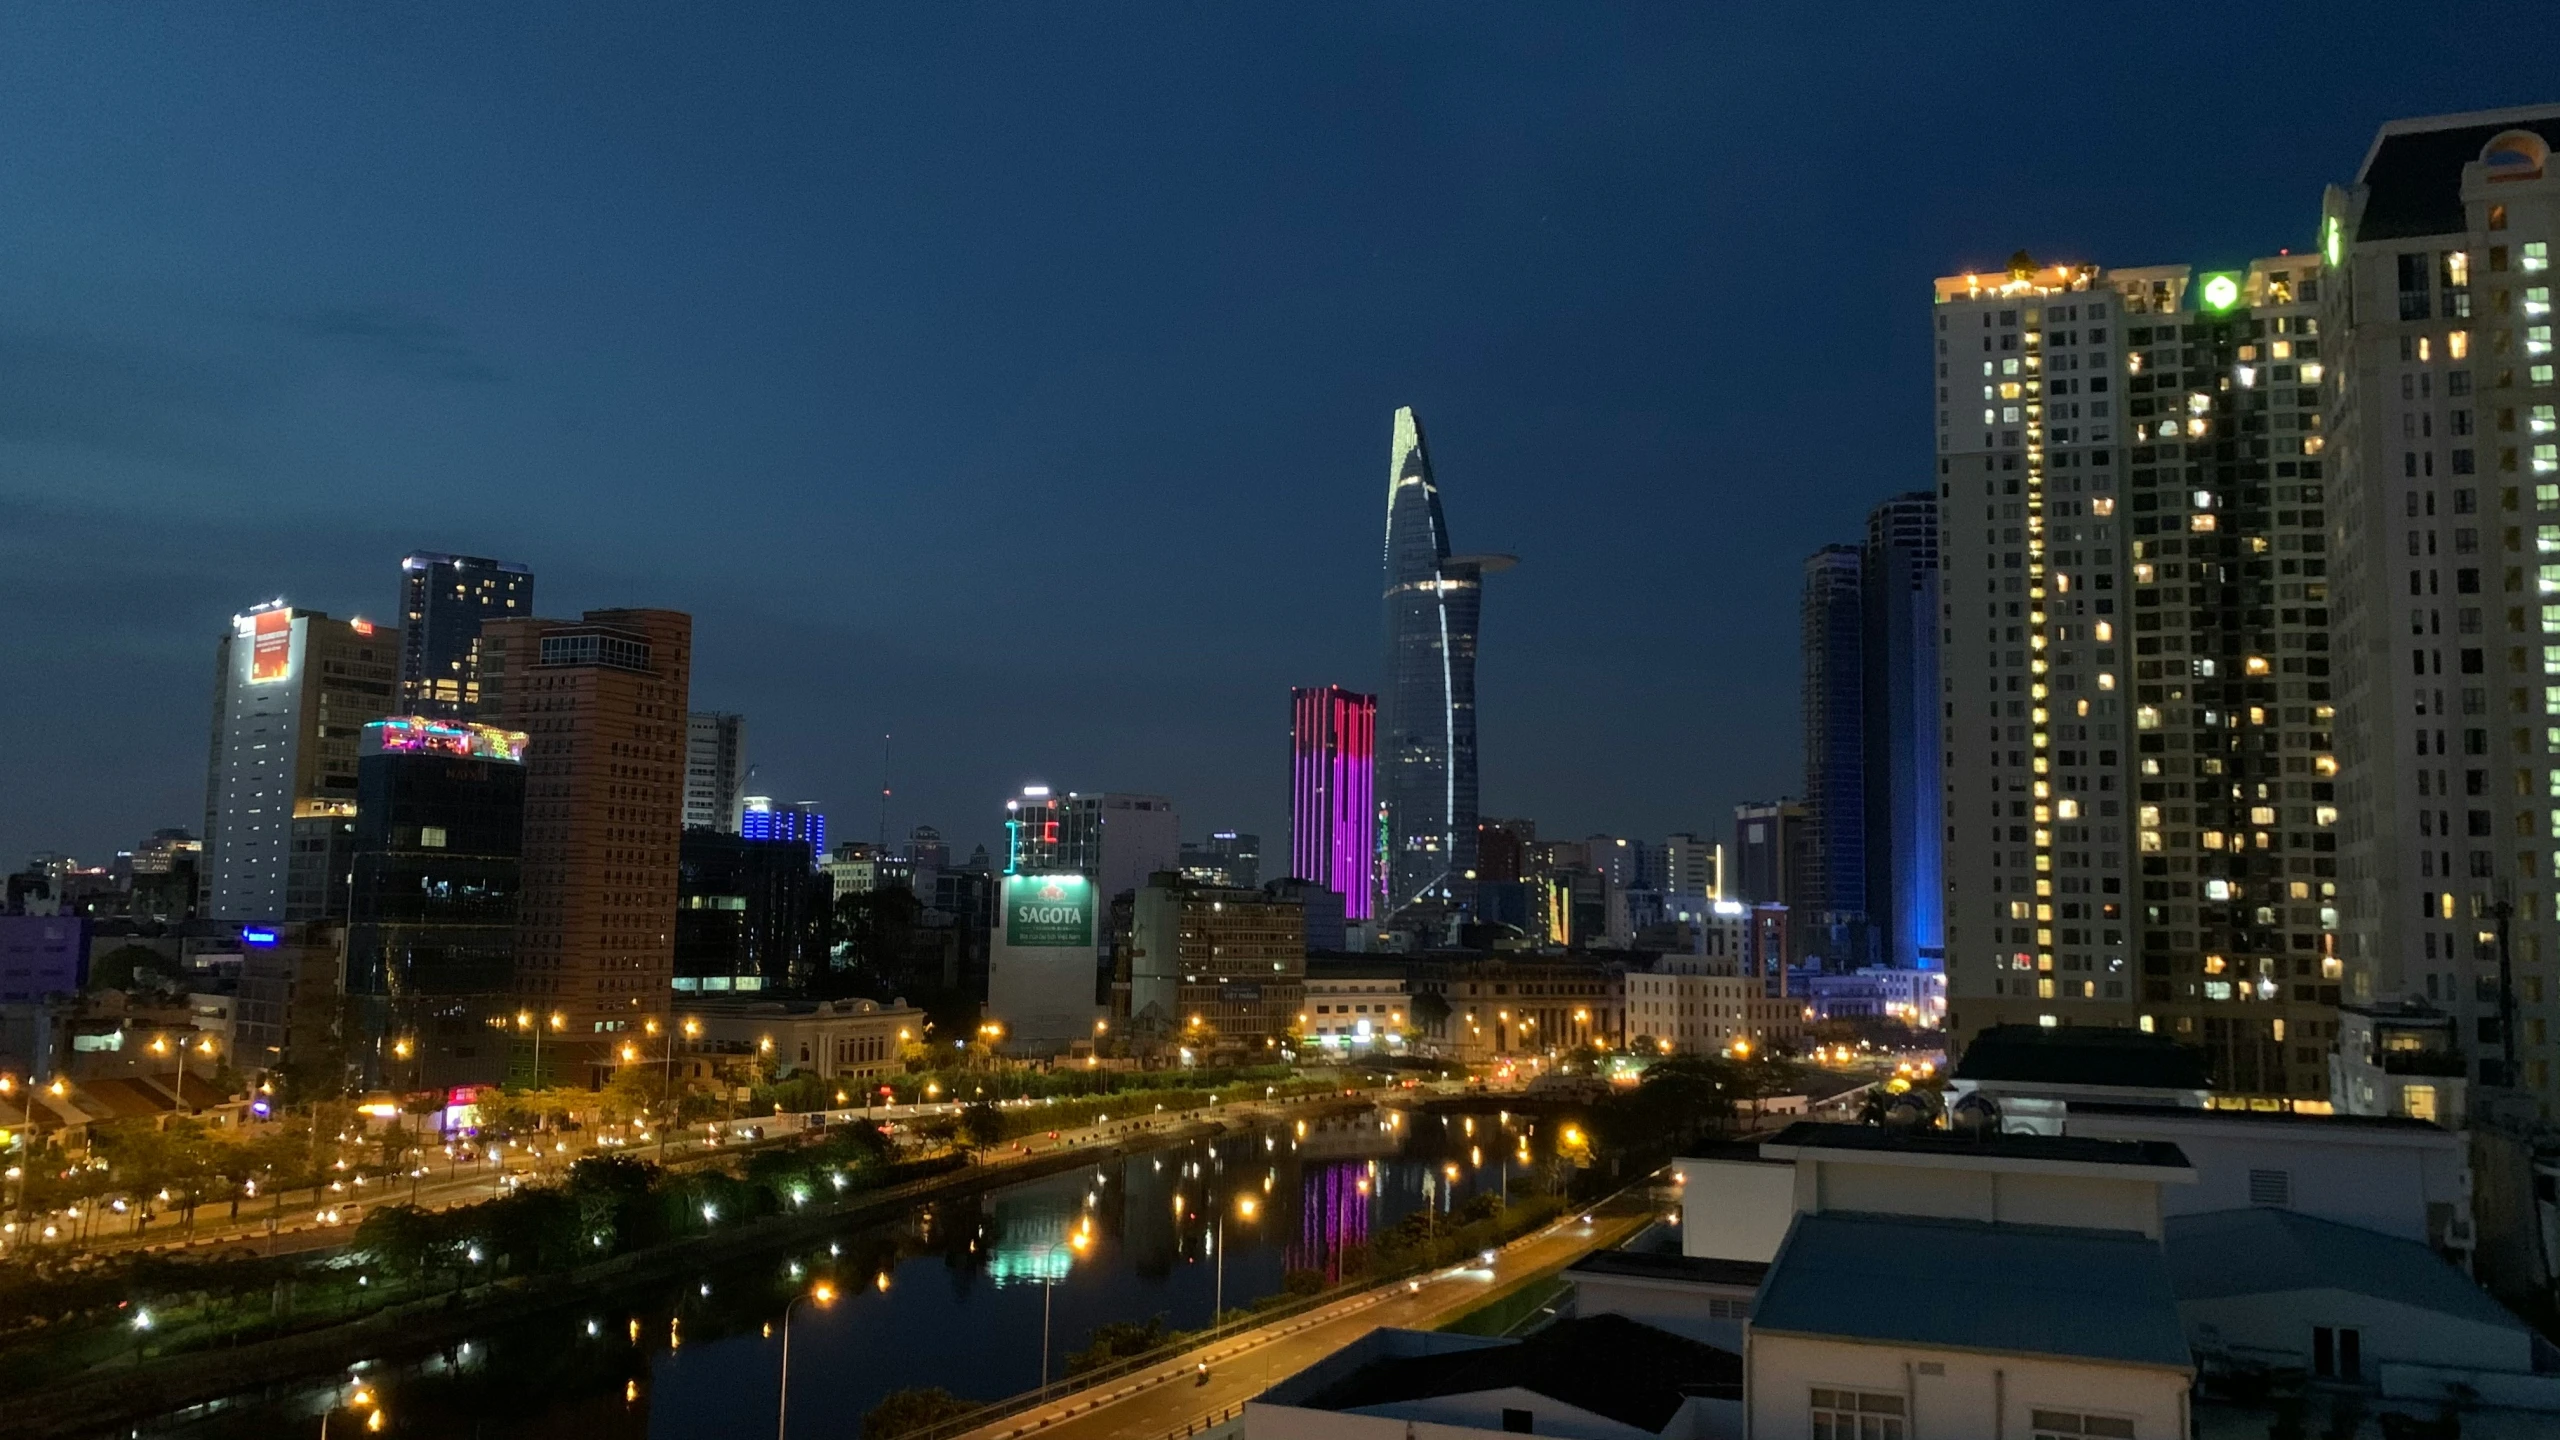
[[150, 493]]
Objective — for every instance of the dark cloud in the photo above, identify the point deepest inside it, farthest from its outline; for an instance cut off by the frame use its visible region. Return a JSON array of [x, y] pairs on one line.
[[397, 339]]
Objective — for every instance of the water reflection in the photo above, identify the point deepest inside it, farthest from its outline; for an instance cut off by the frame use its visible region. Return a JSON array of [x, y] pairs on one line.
[[951, 1294]]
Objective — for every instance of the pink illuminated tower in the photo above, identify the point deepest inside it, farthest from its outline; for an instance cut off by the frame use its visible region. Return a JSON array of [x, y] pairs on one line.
[[1332, 811]]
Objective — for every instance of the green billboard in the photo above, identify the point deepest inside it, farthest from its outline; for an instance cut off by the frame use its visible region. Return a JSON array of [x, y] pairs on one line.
[[1048, 911]]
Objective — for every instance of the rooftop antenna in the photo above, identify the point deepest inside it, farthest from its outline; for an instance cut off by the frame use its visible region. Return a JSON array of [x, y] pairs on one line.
[[882, 846]]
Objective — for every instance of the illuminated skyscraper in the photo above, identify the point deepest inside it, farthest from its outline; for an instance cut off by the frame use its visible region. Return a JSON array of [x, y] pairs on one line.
[[438, 875], [293, 691], [1428, 719], [443, 600], [2436, 330], [1333, 812], [1906, 874], [2132, 500]]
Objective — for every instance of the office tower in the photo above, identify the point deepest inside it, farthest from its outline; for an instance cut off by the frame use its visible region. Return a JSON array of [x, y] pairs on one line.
[[1766, 838], [1226, 967], [760, 819], [438, 875], [1693, 866], [750, 913], [2147, 455], [1228, 857], [2435, 328], [1427, 717], [1119, 840], [602, 699], [715, 770], [1333, 812], [444, 600], [292, 691], [1830, 910], [1906, 880]]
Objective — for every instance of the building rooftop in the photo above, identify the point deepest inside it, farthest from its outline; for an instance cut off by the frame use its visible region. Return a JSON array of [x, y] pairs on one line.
[[2266, 1251], [1964, 1285], [1741, 1152], [2298, 1119], [2083, 1055], [1692, 1269], [1606, 1364], [2413, 174], [1995, 1145]]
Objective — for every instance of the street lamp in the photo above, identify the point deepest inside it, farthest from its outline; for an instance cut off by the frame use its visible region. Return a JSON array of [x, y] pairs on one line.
[[1246, 1205], [1077, 1244], [524, 1021], [361, 1402], [824, 1294]]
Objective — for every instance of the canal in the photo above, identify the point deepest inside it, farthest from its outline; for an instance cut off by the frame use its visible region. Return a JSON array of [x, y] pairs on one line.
[[957, 1294]]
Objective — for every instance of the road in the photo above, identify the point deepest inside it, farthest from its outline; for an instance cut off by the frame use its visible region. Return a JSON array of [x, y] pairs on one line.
[[1169, 1401], [298, 1227]]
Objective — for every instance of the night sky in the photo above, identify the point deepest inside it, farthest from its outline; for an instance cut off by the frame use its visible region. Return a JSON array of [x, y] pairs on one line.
[[1018, 378]]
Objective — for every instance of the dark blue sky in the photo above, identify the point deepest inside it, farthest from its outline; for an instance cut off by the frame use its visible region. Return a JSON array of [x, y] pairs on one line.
[[1018, 378]]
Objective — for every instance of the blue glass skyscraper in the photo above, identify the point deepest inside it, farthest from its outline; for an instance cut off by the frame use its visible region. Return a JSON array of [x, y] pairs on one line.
[[1830, 896], [1905, 859], [1426, 761]]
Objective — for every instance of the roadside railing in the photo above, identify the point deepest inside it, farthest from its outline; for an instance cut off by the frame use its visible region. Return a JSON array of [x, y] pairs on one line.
[[1308, 1311]]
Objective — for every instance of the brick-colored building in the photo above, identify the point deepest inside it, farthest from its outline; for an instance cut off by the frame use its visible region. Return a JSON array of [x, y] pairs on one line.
[[602, 700]]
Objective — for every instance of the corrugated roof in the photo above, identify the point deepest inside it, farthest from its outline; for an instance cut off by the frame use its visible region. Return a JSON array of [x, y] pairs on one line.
[[2414, 174], [2016, 1289], [2268, 1251], [1696, 1269], [1606, 1364]]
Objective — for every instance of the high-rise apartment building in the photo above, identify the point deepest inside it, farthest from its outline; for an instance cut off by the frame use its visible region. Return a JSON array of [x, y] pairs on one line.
[[1906, 880], [1427, 714], [2132, 501], [444, 599], [437, 881], [1333, 811], [292, 691], [1116, 840], [715, 770], [602, 701], [2436, 334]]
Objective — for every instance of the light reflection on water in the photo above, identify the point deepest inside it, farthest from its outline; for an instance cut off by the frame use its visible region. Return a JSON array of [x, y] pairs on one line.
[[952, 1294]]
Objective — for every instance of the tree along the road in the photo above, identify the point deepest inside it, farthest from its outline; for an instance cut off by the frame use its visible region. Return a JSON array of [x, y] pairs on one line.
[[902, 1412]]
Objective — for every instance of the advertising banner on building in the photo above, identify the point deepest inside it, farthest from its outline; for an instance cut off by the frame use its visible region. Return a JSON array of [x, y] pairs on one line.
[[270, 645], [1048, 911]]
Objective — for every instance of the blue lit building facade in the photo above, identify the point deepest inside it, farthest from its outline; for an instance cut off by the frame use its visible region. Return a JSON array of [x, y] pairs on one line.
[[799, 820], [1906, 897]]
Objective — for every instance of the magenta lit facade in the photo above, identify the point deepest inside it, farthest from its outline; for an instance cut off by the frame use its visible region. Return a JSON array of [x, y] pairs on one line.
[[1332, 800]]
